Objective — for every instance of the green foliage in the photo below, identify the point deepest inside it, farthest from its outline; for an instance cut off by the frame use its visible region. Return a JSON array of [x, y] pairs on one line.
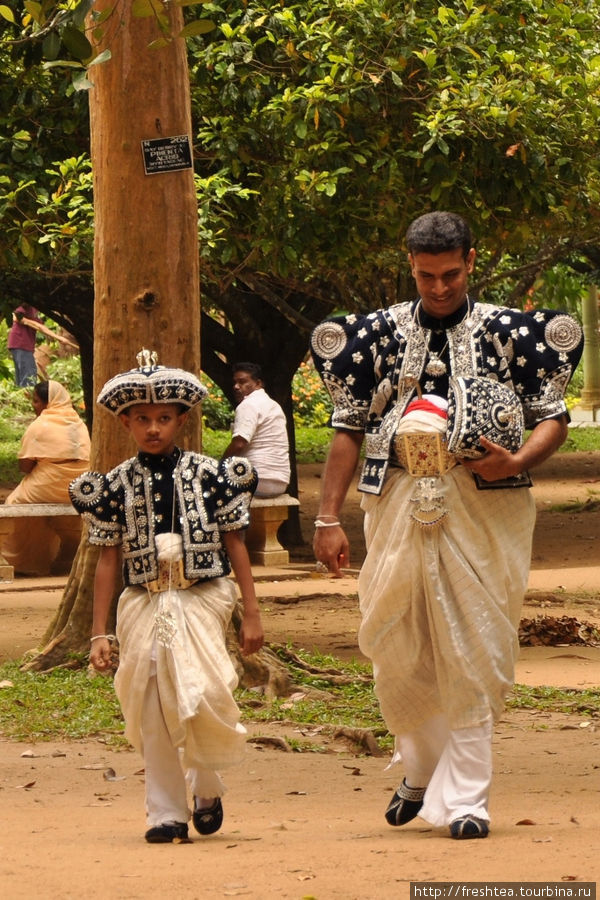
[[312, 444], [214, 442], [217, 412], [55, 32], [343, 121], [50, 218], [323, 128], [67, 371], [312, 403]]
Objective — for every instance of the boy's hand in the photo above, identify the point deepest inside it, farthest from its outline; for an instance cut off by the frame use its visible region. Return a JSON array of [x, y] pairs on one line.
[[251, 635], [100, 654]]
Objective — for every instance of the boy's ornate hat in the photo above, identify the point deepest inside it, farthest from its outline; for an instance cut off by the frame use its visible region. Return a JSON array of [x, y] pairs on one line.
[[151, 383]]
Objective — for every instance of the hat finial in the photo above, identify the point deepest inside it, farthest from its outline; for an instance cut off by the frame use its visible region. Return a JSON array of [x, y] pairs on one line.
[[147, 358]]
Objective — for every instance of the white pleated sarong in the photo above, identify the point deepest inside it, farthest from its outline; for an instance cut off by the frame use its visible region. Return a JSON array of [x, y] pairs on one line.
[[185, 648], [440, 606]]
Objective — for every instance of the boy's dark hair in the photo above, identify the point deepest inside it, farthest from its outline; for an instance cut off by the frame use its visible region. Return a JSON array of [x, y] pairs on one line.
[[41, 391], [181, 407], [439, 232], [253, 369]]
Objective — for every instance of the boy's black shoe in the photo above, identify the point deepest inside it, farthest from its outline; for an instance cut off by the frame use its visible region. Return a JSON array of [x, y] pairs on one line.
[[166, 834], [209, 820], [404, 805]]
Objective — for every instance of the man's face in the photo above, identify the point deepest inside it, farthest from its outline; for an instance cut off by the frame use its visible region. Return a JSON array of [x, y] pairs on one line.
[[153, 426], [442, 280], [244, 384]]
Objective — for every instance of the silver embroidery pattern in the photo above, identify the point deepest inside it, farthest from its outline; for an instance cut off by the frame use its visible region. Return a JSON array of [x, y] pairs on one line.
[[329, 339], [213, 498], [166, 623], [482, 407], [562, 333], [348, 412], [429, 503]]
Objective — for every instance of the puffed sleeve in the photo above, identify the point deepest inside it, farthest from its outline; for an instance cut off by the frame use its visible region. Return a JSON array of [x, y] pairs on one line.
[[101, 506], [546, 348], [236, 482], [344, 350]]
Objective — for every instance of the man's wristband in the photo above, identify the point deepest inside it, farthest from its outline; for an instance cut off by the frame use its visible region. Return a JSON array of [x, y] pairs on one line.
[[319, 523]]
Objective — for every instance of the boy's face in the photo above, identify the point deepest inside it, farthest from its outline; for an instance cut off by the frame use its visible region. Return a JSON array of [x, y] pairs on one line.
[[153, 426]]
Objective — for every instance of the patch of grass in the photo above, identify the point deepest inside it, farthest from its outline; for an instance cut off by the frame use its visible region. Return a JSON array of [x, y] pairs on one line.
[[60, 705], [581, 439], [552, 699], [590, 504], [325, 702], [70, 705], [312, 444]]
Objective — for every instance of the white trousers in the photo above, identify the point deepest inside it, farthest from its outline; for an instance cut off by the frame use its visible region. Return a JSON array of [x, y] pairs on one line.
[[454, 764], [166, 781]]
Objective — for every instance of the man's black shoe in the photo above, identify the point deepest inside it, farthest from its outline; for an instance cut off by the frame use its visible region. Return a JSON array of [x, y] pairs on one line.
[[209, 820]]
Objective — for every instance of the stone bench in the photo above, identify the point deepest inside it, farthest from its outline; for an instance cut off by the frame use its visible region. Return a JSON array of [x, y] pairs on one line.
[[24, 511], [266, 516]]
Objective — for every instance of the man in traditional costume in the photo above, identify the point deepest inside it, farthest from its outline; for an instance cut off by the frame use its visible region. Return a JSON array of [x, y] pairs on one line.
[[175, 519], [441, 389]]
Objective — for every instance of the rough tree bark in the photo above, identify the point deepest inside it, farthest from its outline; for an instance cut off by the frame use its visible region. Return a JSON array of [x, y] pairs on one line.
[[146, 278]]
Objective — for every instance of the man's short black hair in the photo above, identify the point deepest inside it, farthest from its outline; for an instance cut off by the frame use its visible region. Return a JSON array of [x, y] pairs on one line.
[[253, 369], [439, 232]]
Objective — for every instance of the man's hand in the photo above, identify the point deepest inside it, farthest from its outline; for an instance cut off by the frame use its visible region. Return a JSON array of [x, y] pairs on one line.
[[496, 463], [331, 547]]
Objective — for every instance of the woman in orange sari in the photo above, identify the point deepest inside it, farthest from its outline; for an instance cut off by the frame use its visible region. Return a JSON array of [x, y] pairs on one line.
[[54, 450]]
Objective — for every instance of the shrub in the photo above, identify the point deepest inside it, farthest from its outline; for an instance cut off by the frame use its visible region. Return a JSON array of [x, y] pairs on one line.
[[217, 412], [312, 404]]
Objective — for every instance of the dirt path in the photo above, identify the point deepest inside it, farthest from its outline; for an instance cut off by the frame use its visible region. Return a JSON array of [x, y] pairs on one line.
[[310, 825]]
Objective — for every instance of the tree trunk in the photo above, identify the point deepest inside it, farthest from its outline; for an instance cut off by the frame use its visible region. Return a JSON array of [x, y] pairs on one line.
[[146, 262]]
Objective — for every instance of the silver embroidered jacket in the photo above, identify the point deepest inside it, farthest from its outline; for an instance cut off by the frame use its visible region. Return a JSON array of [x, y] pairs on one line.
[[372, 363], [211, 496]]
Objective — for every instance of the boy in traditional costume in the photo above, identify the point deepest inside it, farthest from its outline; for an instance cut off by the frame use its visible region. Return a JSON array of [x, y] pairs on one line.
[[173, 520]]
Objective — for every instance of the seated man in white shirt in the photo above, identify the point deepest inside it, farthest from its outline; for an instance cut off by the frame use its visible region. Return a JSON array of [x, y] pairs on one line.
[[259, 431]]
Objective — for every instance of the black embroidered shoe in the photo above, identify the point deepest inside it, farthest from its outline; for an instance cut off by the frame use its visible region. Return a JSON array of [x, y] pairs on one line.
[[404, 805], [469, 827], [209, 820], [166, 834]]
